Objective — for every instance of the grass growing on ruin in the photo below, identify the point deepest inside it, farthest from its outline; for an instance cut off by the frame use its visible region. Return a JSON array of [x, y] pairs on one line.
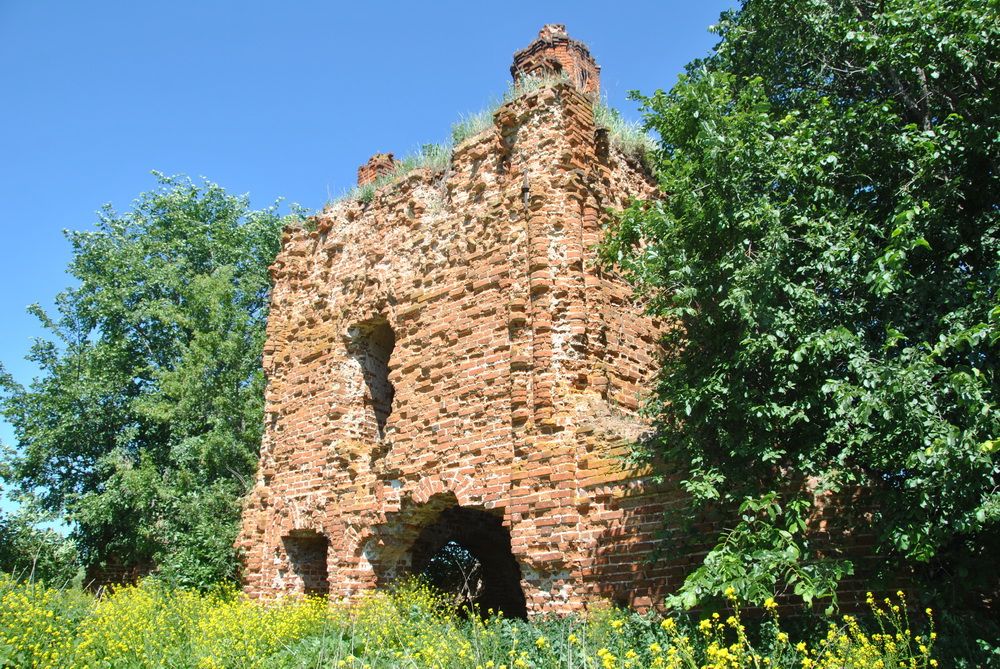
[[153, 626], [627, 136], [435, 157]]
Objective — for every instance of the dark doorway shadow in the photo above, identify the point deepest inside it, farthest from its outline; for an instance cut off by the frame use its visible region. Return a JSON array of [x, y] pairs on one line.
[[467, 553]]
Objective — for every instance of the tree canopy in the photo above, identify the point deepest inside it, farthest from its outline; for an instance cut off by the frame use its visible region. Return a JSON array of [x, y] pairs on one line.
[[144, 424], [827, 244]]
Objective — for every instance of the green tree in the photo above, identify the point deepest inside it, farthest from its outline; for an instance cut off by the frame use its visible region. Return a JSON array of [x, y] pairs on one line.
[[144, 424], [29, 551], [828, 246]]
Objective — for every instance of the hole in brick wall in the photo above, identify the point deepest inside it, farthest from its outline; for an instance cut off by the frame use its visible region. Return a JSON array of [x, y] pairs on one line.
[[307, 556], [371, 345], [466, 553]]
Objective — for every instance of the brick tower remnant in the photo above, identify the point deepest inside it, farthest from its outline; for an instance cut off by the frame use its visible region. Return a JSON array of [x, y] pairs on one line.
[[554, 53], [447, 365], [377, 166]]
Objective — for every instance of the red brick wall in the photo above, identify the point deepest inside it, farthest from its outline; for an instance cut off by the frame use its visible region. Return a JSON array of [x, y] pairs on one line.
[[308, 552], [517, 369], [114, 572]]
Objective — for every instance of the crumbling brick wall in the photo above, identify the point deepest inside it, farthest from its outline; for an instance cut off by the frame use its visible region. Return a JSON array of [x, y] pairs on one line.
[[452, 345]]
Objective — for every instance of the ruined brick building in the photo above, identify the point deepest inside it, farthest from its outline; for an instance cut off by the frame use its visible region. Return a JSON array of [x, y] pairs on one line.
[[447, 364]]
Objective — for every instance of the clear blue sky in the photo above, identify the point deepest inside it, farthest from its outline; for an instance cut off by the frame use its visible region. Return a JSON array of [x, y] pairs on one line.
[[274, 99]]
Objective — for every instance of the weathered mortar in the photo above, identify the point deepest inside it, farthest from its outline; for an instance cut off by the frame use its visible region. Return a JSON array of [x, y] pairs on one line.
[[515, 369]]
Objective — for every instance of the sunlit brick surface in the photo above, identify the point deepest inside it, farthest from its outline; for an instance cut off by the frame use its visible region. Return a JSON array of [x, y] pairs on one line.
[[514, 371]]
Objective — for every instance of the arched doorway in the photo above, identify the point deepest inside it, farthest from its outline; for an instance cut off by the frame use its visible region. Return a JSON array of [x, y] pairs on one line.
[[466, 552]]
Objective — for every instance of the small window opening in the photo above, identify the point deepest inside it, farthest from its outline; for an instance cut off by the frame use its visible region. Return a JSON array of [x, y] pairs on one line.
[[371, 345], [467, 554], [307, 555]]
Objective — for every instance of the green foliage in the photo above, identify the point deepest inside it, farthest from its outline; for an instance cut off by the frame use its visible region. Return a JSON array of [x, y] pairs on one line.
[[473, 124], [828, 246], [35, 553], [144, 424], [763, 553]]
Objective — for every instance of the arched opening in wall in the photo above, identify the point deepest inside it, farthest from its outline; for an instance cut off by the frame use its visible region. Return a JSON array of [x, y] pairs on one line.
[[466, 553], [307, 553], [371, 344]]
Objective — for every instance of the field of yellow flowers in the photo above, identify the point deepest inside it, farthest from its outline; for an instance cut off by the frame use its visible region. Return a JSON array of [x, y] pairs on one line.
[[151, 625]]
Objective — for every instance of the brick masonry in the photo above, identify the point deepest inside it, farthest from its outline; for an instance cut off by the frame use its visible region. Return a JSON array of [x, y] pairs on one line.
[[449, 355], [554, 53], [378, 165], [113, 572]]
